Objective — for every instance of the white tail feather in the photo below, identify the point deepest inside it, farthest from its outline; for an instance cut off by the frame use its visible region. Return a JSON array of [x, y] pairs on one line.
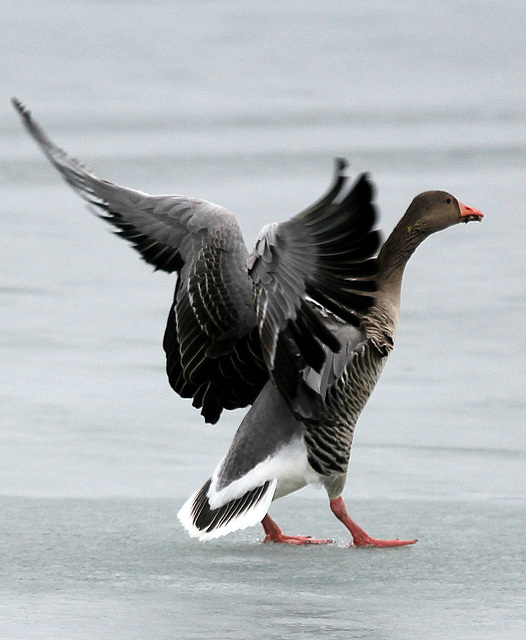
[[232, 516]]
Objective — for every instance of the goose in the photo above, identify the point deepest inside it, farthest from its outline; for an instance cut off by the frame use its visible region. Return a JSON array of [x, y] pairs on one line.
[[276, 452], [299, 330]]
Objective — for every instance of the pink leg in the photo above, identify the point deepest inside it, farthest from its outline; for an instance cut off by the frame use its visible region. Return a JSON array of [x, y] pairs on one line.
[[360, 538], [274, 534]]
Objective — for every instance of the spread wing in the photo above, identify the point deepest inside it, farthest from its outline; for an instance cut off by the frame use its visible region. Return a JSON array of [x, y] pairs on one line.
[[212, 344], [234, 319], [324, 255]]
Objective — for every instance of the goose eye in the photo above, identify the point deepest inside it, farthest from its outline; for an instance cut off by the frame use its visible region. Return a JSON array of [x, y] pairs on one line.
[[448, 200]]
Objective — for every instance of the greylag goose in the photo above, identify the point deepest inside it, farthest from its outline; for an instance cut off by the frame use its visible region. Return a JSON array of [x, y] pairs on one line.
[[275, 452], [300, 329]]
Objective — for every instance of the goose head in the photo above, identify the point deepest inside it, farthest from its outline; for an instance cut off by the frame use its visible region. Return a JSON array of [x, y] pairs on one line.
[[433, 211]]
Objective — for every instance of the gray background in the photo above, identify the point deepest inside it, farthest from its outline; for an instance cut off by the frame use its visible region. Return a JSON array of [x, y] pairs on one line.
[[246, 104]]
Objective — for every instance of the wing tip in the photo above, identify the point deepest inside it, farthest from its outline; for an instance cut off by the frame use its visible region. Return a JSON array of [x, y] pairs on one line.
[[25, 114], [341, 165], [363, 178], [65, 164], [20, 107]]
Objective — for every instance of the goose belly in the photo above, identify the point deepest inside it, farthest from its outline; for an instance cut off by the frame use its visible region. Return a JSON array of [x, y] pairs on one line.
[[295, 471]]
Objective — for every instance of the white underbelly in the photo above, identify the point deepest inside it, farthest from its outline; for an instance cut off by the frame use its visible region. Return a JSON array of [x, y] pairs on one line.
[[295, 471], [288, 468]]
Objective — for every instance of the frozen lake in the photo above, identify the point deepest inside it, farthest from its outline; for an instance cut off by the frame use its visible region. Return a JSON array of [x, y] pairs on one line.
[[247, 106]]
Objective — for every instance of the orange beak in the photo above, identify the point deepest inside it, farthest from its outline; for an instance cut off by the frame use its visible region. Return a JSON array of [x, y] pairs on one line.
[[468, 213]]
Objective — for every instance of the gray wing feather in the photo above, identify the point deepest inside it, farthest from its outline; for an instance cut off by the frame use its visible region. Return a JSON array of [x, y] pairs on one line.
[[235, 319], [324, 254], [162, 228], [211, 339], [350, 338]]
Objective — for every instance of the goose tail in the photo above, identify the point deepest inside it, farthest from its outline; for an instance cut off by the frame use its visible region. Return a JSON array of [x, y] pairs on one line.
[[204, 522]]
